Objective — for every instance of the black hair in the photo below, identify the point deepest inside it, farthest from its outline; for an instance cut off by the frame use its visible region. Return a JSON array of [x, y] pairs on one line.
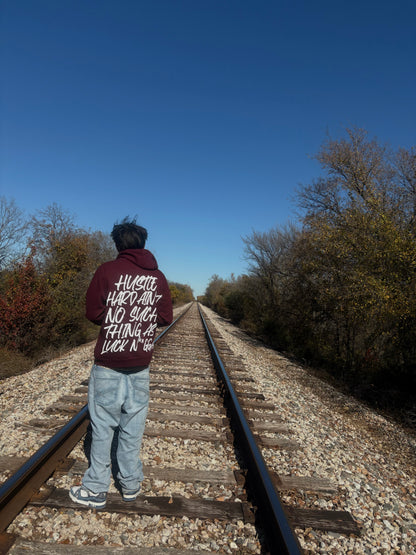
[[129, 235]]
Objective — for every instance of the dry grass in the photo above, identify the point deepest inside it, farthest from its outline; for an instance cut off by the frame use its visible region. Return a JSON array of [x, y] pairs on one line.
[[13, 363]]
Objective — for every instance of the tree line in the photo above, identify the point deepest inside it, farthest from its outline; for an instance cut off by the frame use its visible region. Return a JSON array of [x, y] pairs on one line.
[[46, 264], [337, 289]]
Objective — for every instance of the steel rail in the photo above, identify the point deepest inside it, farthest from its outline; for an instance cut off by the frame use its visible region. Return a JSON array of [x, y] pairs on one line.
[[17, 490], [280, 537]]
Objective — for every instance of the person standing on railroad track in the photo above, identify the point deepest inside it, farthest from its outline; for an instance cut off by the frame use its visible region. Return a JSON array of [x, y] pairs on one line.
[[128, 298]]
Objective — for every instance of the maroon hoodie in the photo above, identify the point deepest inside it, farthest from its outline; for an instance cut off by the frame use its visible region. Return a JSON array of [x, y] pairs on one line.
[[128, 297]]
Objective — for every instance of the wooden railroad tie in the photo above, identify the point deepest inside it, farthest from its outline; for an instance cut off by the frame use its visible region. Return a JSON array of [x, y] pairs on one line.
[[179, 506], [335, 521], [170, 506]]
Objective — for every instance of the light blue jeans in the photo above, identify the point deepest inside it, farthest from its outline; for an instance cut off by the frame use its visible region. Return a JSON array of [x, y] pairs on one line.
[[116, 400]]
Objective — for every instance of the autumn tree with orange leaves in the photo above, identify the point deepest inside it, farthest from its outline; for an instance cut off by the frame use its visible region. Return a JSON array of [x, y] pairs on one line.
[[24, 305]]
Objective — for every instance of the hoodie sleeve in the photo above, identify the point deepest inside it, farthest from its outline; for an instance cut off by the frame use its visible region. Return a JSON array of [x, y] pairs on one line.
[[96, 298], [164, 309]]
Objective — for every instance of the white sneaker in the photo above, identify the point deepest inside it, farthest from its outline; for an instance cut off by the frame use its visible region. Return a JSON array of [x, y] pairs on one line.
[[83, 496], [130, 495]]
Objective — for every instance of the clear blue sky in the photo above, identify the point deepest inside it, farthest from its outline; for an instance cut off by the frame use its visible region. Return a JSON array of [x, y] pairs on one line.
[[199, 116]]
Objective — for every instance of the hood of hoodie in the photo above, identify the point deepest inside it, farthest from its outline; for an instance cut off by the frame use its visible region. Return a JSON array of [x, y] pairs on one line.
[[140, 257]]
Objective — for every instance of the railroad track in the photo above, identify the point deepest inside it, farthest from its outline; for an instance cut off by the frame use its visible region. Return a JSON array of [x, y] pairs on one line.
[[207, 424]]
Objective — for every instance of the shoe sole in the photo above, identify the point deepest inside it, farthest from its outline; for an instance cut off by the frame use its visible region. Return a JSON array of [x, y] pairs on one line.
[[130, 496], [92, 504], [128, 499]]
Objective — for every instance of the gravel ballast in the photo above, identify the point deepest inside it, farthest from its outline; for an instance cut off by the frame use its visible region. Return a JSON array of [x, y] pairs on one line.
[[370, 460]]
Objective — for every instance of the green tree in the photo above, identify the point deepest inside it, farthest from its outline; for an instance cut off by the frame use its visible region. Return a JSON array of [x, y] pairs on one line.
[[215, 294], [270, 267], [361, 256], [180, 293], [340, 290]]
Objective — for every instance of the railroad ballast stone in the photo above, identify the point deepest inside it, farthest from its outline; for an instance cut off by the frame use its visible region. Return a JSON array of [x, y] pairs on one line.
[[371, 459], [364, 456]]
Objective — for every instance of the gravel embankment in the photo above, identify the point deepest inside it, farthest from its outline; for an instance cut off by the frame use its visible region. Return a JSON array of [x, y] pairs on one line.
[[371, 460]]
